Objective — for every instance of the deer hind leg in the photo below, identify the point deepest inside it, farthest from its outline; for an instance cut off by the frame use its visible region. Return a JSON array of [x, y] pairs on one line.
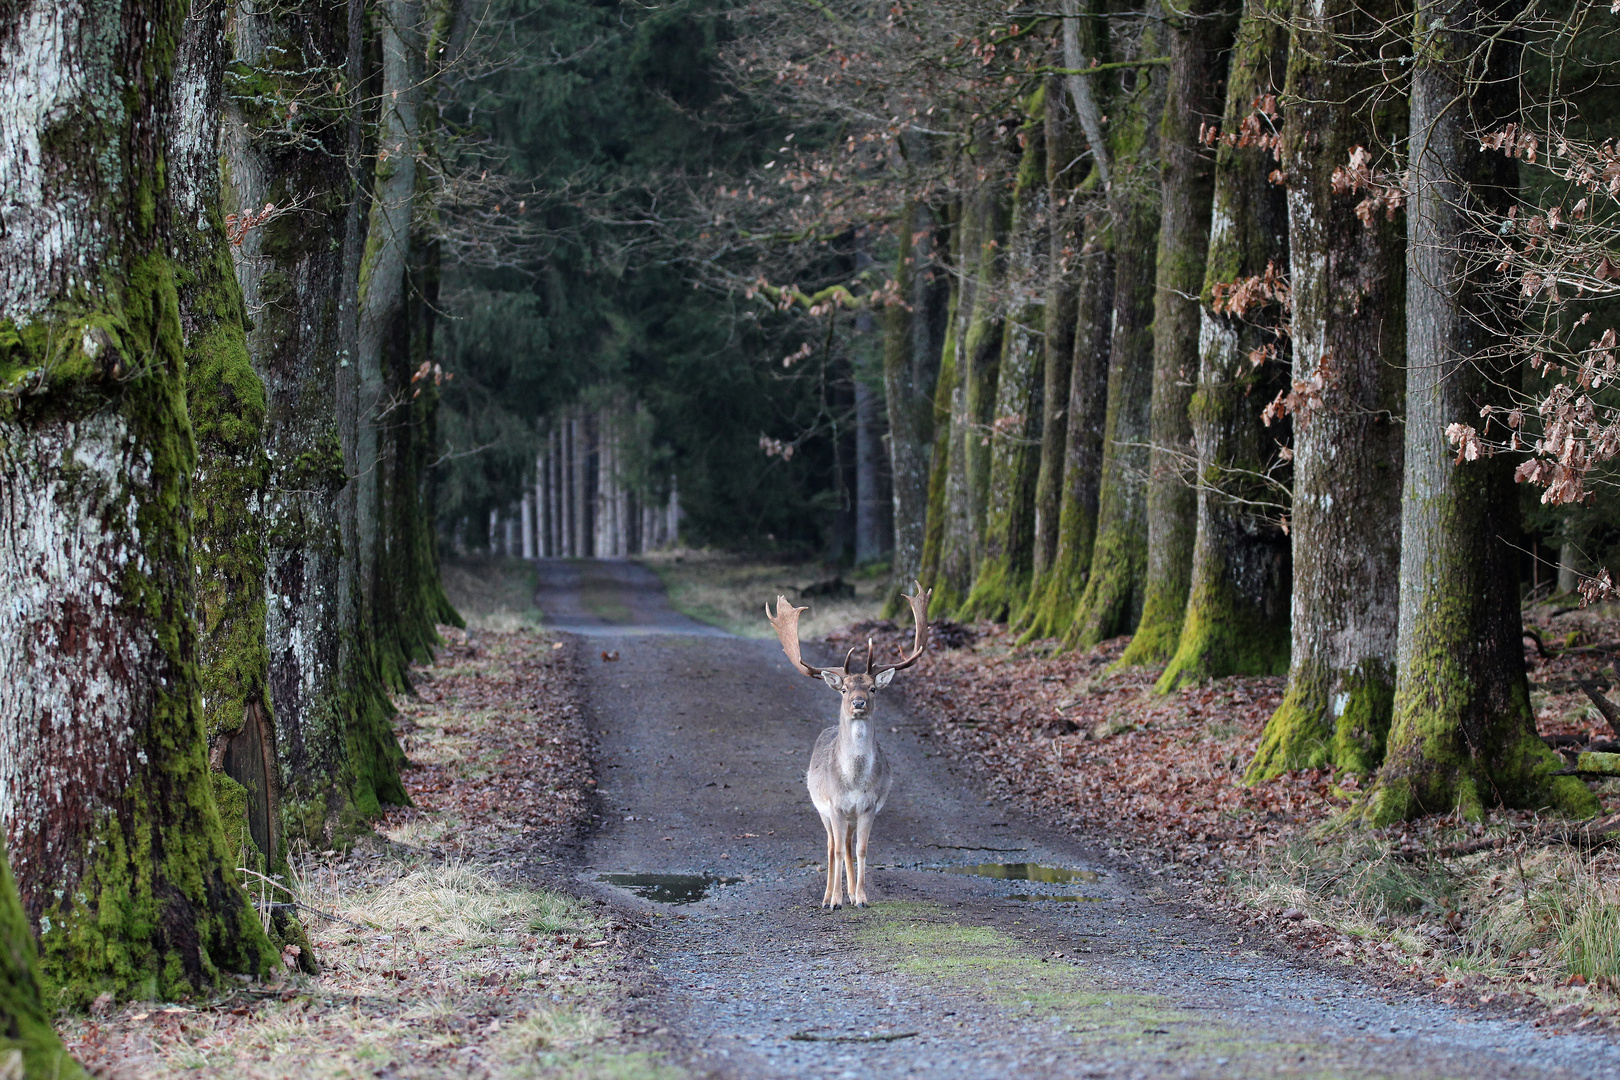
[[851, 883], [863, 829], [832, 864]]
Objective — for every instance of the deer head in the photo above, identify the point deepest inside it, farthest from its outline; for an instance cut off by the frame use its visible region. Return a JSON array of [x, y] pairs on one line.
[[855, 687]]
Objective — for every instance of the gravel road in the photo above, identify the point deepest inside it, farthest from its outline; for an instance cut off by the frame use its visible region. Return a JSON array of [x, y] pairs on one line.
[[995, 947]]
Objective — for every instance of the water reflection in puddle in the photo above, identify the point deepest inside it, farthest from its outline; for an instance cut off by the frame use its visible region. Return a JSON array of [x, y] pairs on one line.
[[668, 888], [1021, 871]]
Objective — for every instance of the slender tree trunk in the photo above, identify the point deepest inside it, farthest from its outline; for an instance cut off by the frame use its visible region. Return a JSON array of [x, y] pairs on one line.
[[1463, 733], [29, 1045], [1349, 337], [1112, 602], [1194, 94], [870, 503], [1052, 610], [1237, 613], [1064, 171], [122, 865], [981, 349], [911, 357], [956, 546], [946, 386], [1001, 583]]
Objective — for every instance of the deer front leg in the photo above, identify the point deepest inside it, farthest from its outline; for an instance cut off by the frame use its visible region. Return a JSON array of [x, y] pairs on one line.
[[851, 882], [863, 829]]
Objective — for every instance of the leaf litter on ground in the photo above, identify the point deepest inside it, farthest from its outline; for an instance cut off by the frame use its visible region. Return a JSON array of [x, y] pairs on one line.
[[1520, 911]]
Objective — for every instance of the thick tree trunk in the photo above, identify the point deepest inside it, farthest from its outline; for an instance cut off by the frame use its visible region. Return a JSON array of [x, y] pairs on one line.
[[338, 761], [1064, 172], [1112, 601], [1001, 583], [912, 344], [1349, 335], [122, 866], [1194, 94], [1237, 610], [27, 1038], [1463, 733]]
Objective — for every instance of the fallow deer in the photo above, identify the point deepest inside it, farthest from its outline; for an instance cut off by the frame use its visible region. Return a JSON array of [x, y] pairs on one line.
[[849, 775]]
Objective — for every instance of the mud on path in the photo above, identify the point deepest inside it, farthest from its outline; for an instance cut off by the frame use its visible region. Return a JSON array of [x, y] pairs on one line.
[[703, 828]]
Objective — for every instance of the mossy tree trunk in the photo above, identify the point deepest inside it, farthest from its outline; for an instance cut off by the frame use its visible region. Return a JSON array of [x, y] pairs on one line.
[[1463, 733], [1112, 601], [1237, 608], [946, 388], [912, 345], [331, 712], [226, 402], [29, 1045], [1002, 579], [1064, 171], [1349, 332], [1200, 40], [121, 862]]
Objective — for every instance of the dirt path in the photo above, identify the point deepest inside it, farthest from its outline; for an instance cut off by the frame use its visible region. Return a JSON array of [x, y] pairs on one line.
[[703, 741]]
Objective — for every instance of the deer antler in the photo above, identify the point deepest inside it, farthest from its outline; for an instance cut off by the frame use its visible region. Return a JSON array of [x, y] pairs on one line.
[[786, 624], [919, 614]]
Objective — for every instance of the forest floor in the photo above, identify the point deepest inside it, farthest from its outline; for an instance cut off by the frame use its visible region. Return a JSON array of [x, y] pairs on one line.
[[448, 945]]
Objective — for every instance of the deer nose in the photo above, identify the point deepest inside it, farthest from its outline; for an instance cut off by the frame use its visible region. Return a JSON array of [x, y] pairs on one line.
[[858, 704]]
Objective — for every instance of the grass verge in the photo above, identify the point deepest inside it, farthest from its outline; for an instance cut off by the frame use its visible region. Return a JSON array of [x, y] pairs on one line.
[[439, 955]]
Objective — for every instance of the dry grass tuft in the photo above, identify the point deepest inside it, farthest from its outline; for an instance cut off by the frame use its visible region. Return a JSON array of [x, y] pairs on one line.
[[731, 591]]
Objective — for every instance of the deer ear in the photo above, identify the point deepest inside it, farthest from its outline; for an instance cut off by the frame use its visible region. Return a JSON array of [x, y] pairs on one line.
[[833, 679], [885, 678]]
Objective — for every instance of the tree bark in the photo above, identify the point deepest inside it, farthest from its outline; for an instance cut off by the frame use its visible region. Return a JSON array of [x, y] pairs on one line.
[[1237, 610], [1001, 583], [870, 503], [1194, 92], [1349, 334], [1463, 733], [946, 388], [981, 349], [122, 866], [1112, 601]]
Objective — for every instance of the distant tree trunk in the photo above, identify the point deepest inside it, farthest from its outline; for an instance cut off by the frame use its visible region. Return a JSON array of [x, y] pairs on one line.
[[912, 345], [1052, 610], [1194, 94], [1349, 332], [1002, 579], [1063, 175], [1112, 601], [121, 863], [1464, 734], [1237, 610], [25, 1026], [871, 503]]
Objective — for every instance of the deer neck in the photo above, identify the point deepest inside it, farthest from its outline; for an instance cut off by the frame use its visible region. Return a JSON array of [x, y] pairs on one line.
[[857, 743]]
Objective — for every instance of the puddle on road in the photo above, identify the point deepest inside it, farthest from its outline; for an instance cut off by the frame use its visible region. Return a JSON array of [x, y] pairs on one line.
[[1021, 871], [1065, 899], [668, 888]]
